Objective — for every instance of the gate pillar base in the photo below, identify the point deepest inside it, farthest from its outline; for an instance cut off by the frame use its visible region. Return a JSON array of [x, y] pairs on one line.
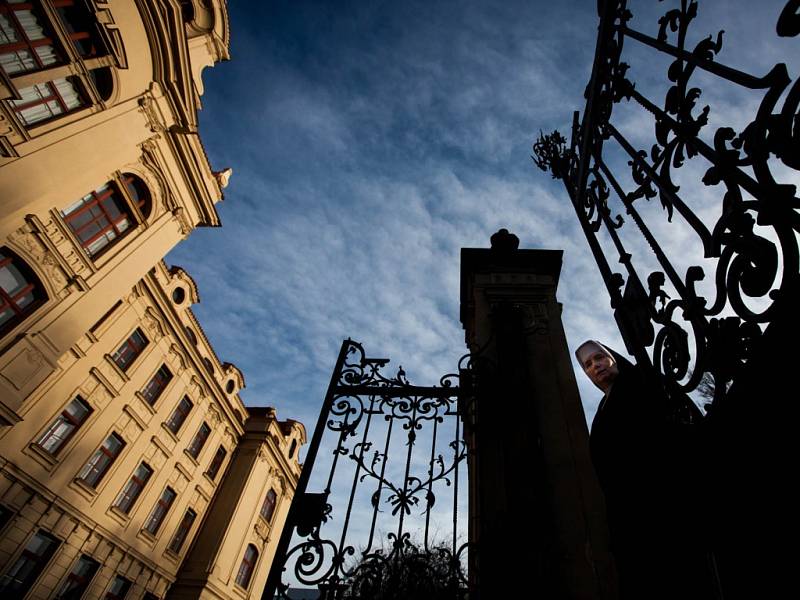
[[537, 516]]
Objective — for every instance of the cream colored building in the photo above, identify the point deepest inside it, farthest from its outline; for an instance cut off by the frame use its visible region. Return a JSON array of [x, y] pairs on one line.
[[129, 466]]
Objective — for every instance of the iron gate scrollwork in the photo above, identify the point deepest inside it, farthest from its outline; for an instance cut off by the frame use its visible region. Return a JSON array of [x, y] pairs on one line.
[[692, 338], [366, 420]]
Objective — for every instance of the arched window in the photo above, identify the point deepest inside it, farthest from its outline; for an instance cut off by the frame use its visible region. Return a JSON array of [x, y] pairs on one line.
[[246, 568], [33, 46], [105, 215], [21, 292], [268, 508]]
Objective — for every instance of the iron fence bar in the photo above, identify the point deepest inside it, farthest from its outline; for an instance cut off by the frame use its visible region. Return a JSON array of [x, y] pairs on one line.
[[377, 494], [605, 33], [665, 189], [404, 391], [361, 448], [274, 578], [457, 439], [430, 482], [404, 493], [729, 73]]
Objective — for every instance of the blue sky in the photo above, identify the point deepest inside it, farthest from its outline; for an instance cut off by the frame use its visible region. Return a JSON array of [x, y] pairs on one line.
[[370, 141]]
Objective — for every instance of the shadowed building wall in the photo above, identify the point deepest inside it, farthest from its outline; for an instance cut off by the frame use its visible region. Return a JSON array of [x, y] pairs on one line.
[[119, 425]]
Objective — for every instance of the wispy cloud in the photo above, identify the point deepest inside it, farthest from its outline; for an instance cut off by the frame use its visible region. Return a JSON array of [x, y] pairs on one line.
[[370, 143]]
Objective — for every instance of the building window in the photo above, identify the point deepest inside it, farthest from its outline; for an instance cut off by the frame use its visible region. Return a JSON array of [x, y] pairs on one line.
[[5, 516], [209, 366], [119, 589], [133, 488], [94, 470], [183, 531], [292, 448], [160, 511], [268, 508], [31, 45], [105, 215], [199, 440], [29, 565], [246, 568], [156, 385], [26, 39], [129, 350], [79, 578], [21, 292], [65, 425], [179, 415], [216, 463]]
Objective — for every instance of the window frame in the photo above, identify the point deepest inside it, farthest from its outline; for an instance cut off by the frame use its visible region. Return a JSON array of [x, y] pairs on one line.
[[79, 582], [63, 417], [268, 506], [173, 422], [216, 463], [157, 382], [125, 194], [133, 488], [63, 35], [182, 532], [33, 286], [119, 359], [244, 576], [199, 440], [126, 583], [100, 454], [40, 562], [157, 518]]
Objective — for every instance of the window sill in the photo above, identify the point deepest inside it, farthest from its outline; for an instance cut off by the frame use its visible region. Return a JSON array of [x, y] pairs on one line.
[[146, 537], [84, 489], [116, 368], [150, 407], [171, 435], [41, 456], [170, 554], [118, 515], [191, 458], [210, 480]]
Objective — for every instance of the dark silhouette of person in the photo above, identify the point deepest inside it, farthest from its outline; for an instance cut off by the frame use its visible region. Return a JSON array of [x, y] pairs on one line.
[[643, 466]]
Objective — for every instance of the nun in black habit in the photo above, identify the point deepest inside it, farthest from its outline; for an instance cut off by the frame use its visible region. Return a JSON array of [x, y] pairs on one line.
[[641, 464]]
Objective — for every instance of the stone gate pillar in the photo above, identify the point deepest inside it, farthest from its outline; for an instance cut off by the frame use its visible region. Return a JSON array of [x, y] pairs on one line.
[[537, 516]]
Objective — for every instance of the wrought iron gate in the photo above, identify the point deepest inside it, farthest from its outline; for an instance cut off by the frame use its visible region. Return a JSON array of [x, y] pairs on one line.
[[698, 338], [725, 337], [391, 506]]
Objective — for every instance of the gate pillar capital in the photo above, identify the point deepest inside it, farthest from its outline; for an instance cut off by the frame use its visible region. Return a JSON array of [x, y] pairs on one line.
[[537, 516]]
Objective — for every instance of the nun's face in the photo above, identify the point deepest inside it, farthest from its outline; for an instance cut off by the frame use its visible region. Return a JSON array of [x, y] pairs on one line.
[[599, 366]]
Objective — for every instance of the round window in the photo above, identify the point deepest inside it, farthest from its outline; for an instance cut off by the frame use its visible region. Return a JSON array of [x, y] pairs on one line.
[[230, 386], [178, 295]]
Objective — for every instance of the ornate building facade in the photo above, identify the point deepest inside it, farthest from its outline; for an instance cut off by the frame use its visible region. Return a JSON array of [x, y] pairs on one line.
[[129, 466]]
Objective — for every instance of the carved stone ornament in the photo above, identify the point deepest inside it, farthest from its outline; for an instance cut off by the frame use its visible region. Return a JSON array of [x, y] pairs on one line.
[[223, 177], [178, 356], [147, 106], [230, 437], [41, 255], [213, 415], [183, 220], [153, 324], [262, 531]]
